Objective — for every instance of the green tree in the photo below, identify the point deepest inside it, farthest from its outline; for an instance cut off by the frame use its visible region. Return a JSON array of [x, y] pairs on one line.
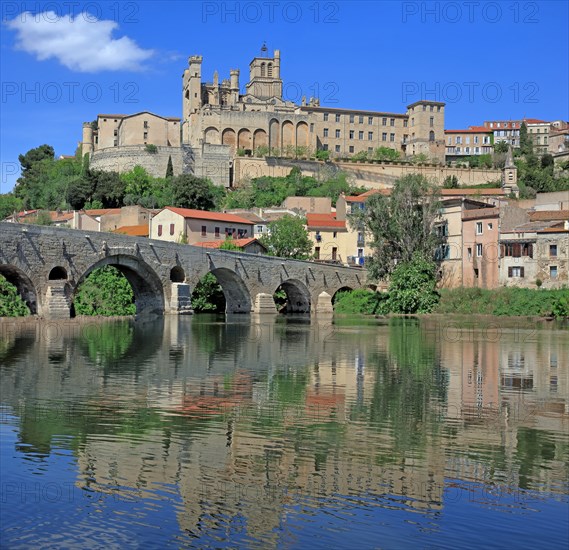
[[401, 225], [189, 191], [501, 147], [137, 182], [526, 143], [208, 295], [385, 153], [11, 304], [450, 182], [412, 287], [288, 238], [228, 244], [105, 292], [9, 204], [32, 157], [170, 168], [42, 217]]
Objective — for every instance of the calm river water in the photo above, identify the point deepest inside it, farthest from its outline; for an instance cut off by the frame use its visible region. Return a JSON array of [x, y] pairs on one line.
[[289, 432]]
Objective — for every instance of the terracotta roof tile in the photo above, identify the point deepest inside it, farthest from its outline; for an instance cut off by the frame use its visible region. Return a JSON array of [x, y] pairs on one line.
[[241, 243], [133, 230], [483, 191], [324, 220], [206, 215], [546, 215]]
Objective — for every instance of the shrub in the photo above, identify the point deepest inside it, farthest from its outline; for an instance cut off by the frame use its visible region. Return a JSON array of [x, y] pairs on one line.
[[152, 149], [11, 304]]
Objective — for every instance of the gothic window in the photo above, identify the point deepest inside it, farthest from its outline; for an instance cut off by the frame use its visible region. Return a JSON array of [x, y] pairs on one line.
[[270, 69], [262, 69], [431, 136]]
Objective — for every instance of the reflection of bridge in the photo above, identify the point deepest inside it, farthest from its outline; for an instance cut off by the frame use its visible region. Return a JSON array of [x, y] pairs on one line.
[[47, 264]]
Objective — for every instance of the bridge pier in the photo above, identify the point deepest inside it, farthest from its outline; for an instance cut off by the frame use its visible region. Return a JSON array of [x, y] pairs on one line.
[[181, 299], [56, 304], [264, 303], [324, 304]]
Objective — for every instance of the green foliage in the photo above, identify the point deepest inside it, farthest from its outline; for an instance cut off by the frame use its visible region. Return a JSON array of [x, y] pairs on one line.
[[401, 225], [240, 152], [189, 191], [504, 301], [501, 147], [288, 238], [208, 295], [42, 217], [262, 151], [228, 244], [412, 287], [105, 292], [526, 143], [170, 168], [359, 301], [321, 154], [11, 304], [9, 204], [107, 342], [450, 182], [481, 161], [152, 149], [361, 155], [385, 153]]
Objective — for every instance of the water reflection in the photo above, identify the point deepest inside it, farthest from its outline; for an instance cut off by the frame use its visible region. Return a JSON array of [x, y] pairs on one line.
[[273, 431]]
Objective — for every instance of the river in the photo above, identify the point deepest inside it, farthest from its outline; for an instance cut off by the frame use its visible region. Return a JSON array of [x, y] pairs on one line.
[[287, 432]]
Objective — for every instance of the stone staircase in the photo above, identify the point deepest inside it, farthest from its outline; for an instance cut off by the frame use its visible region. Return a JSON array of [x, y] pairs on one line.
[[57, 304]]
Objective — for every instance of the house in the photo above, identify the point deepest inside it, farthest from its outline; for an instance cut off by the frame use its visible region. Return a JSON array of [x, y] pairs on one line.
[[251, 245], [197, 226], [470, 252], [332, 242]]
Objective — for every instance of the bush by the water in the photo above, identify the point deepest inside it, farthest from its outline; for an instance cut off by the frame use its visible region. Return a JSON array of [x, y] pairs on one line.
[[359, 301], [105, 292], [505, 301], [11, 304]]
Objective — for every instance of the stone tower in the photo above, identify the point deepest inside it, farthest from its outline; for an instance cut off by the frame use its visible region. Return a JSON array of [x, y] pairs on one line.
[[510, 175], [191, 89], [426, 124], [265, 76]]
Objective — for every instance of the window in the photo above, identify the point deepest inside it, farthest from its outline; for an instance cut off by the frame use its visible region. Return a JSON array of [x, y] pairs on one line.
[[334, 253], [384, 121], [270, 69], [324, 147], [450, 140], [431, 108], [431, 136], [160, 230], [475, 139], [351, 149], [516, 272], [553, 250], [466, 150], [405, 122], [334, 234], [204, 230], [391, 122], [337, 118], [438, 108], [516, 250], [361, 120], [467, 140], [370, 149], [241, 233], [325, 117], [146, 123], [391, 137], [259, 229], [325, 132], [116, 133], [479, 228], [431, 121], [316, 252], [458, 140], [337, 148], [553, 271], [370, 120], [351, 134], [476, 273], [115, 143], [477, 150], [413, 121], [145, 135], [479, 250], [311, 127], [384, 136], [217, 231], [370, 136], [337, 134], [318, 237], [171, 229], [469, 253], [360, 135], [490, 226], [352, 119]]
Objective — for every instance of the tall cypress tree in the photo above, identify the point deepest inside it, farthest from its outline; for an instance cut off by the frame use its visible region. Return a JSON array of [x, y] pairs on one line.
[[170, 168]]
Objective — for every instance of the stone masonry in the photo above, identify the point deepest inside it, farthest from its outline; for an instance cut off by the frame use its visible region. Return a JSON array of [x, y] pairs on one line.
[[47, 264]]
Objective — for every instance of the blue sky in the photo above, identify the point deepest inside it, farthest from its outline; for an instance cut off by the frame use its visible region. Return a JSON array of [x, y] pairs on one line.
[[62, 63]]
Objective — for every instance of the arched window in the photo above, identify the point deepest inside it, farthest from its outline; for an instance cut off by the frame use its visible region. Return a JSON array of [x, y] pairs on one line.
[[270, 69], [262, 69], [431, 136]]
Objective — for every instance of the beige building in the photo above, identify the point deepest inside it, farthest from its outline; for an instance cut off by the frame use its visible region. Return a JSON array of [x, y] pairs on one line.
[[475, 140], [142, 128], [197, 226]]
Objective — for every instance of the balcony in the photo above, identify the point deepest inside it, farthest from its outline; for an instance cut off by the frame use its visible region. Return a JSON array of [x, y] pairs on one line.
[[356, 261], [333, 259]]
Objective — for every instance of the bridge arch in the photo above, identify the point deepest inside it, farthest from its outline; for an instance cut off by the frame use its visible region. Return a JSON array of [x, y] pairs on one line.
[[58, 273], [341, 289], [298, 296], [237, 297], [146, 285], [24, 285]]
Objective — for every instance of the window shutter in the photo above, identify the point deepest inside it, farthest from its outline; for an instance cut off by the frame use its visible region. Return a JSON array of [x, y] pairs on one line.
[[502, 250], [509, 271], [171, 229], [160, 230], [521, 271]]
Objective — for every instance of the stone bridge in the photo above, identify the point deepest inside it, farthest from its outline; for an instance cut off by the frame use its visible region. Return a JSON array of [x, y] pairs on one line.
[[48, 264]]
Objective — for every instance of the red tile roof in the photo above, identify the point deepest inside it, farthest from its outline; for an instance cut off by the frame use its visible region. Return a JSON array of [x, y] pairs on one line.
[[133, 230], [206, 215], [547, 215], [241, 243], [471, 130], [102, 211], [324, 220], [364, 196]]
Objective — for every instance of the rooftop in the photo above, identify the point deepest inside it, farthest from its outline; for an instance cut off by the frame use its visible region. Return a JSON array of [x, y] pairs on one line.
[[547, 215], [322, 221], [206, 215], [241, 243], [133, 230]]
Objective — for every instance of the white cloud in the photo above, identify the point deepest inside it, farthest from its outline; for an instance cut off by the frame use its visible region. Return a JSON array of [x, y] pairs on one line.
[[82, 44]]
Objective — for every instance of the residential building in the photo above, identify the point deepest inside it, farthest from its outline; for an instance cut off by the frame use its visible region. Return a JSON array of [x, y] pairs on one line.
[[332, 241], [197, 226], [475, 140]]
